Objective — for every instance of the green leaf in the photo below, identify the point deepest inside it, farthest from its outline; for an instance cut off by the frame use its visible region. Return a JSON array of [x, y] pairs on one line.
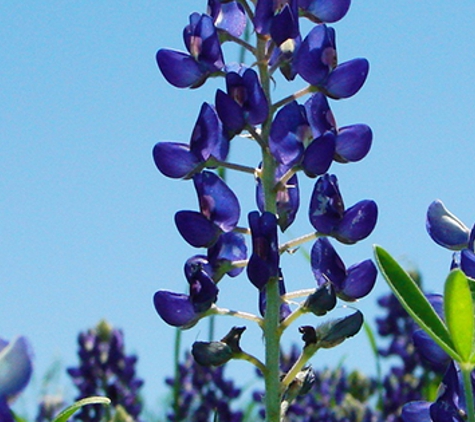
[[414, 301], [69, 411], [458, 309]]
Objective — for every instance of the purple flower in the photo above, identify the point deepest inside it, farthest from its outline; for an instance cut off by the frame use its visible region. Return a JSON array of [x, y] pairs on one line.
[[329, 216], [288, 198], [15, 372], [228, 248], [106, 370], [181, 310], [277, 18], [315, 61], [244, 101], [208, 143], [449, 406], [325, 10], [205, 56], [228, 16], [445, 228], [264, 261], [285, 310], [349, 284], [219, 212]]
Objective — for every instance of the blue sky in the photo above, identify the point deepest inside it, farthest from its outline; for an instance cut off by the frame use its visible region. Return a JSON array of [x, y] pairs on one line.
[[86, 221]]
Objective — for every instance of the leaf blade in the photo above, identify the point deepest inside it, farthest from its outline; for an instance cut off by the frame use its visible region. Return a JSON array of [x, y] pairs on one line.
[[458, 309], [69, 411], [414, 301]]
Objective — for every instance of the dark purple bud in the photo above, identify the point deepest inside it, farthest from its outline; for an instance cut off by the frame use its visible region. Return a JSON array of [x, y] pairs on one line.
[[358, 222], [289, 131], [346, 79], [263, 16], [230, 247], [316, 56], [445, 228], [175, 160], [322, 300], [360, 281], [325, 10], [288, 198], [353, 143], [326, 205], [197, 263], [327, 265], [180, 69], [203, 290], [319, 155], [218, 203], [175, 309], [228, 16], [335, 332], [214, 353], [208, 140], [264, 261], [196, 229], [319, 115]]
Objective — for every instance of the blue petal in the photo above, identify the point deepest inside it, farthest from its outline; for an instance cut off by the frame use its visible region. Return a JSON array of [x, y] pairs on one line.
[[229, 17], [416, 411], [327, 264], [353, 143], [174, 159], [6, 414], [445, 228], [347, 79], [15, 367], [360, 281], [196, 229], [179, 69], [230, 112], [175, 309], [467, 263], [316, 55], [285, 24], [256, 105], [326, 10], [358, 222], [217, 201], [230, 247], [319, 115], [207, 139], [430, 350], [319, 155]]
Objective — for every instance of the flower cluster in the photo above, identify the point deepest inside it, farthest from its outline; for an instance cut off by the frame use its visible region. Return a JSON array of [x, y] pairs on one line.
[[105, 369], [293, 138]]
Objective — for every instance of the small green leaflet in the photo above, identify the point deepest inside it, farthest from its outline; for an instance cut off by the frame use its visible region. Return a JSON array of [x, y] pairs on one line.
[[69, 411]]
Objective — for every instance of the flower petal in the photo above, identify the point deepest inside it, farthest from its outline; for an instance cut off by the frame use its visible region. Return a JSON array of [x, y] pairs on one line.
[[196, 229], [360, 280], [175, 309], [15, 367], [347, 79], [179, 69], [174, 159], [445, 228], [353, 143], [326, 10], [358, 222], [319, 154]]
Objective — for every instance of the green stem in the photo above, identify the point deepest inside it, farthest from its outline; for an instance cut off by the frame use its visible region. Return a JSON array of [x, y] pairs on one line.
[[298, 241], [309, 89], [468, 390], [176, 378], [307, 353], [252, 359], [238, 314]]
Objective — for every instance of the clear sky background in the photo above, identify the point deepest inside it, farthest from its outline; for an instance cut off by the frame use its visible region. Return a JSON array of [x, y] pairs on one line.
[[86, 220]]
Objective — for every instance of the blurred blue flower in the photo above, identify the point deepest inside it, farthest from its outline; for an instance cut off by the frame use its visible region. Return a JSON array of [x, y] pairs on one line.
[[15, 373]]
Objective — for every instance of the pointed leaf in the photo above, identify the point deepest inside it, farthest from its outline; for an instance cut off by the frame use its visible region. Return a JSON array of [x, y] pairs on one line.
[[458, 309], [414, 302], [69, 411]]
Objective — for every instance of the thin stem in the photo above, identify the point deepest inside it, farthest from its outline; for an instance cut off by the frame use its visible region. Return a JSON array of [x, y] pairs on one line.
[[252, 359], [238, 314], [298, 241], [297, 294], [234, 166], [282, 183], [241, 42], [256, 136], [176, 377], [309, 89], [291, 318], [247, 9], [468, 390], [308, 351]]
